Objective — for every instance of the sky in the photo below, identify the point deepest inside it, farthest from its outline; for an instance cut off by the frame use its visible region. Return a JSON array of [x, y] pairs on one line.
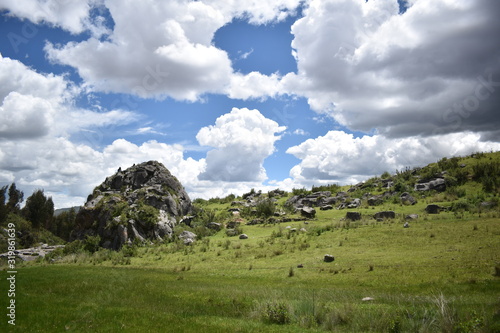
[[232, 95]]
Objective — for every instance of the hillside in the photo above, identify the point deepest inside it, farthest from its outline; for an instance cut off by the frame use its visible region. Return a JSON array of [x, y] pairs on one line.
[[263, 262]]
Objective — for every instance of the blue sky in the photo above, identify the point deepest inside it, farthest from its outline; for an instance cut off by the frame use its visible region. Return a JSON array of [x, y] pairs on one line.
[[236, 95]]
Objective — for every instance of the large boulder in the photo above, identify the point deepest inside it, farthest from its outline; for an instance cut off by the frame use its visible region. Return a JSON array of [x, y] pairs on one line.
[[143, 202], [308, 212], [437, 184], [388, 214], [433, 209]]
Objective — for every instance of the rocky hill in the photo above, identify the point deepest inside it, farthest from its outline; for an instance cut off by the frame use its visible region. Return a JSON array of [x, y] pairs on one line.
[[143, 202]]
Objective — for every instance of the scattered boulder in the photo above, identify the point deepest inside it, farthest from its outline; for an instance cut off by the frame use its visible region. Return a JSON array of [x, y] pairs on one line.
[[353, 216], [389, 214], [300, 266], [355, 203], [407, 199], [328, 258], [232, 224], [243, 236], [326, 207], [367, 299], [308, 212], [433, 209], [406, 225], [411, 217], [214, 226], [437, 184], [187, 237], [375, 200]]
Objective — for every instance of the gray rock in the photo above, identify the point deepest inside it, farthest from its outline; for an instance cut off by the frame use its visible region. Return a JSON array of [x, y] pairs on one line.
[[243, 236], [353, 216], [127, 192], [232, 224], [433, 209], [355, 203], [389, 214], [406, 225], [214, 226], [437, 184], [308, 212], [411, 217], [328, 258], [326, 207], [375, 200], [187, 237], [407, 199]]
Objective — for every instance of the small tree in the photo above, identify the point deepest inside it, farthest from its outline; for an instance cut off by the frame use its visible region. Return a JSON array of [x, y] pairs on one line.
[[3, 207], [15, 198], [39, 209]]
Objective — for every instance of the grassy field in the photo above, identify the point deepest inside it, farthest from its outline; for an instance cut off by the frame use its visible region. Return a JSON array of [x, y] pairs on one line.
[[436, 276]]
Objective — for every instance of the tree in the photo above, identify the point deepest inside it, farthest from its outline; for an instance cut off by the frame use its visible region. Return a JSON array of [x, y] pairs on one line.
[[15, 198], [39, 209], [3, 207]]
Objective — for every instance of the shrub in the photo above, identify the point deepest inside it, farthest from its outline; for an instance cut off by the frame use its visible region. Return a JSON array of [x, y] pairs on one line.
[[265, 208], [73, 247], [277, 313], [91, 243]]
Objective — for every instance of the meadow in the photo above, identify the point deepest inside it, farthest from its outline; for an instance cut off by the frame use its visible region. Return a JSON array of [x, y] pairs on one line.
[[438, 275]]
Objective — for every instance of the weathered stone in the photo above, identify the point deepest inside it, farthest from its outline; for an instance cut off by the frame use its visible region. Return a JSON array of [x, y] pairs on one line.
[[411, 217], [232, 224], [432, 209], [126, 193], [326, 207], [328, 258], [187, 237], [355, 203], [375, 200], [407, 199], [437, 184], [353, 216], [243, 236], [308, 212], [389, 214], [214, 226]]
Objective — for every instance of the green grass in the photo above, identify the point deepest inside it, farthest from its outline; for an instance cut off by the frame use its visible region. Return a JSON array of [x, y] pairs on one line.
[[436, 276]]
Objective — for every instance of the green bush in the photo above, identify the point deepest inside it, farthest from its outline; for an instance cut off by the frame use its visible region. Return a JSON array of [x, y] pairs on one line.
[[277, 313], [91, 243], [265, 208], [73, 247]]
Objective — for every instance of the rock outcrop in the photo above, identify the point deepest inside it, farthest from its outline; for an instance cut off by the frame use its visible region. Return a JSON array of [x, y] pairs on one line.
[[143, 202]]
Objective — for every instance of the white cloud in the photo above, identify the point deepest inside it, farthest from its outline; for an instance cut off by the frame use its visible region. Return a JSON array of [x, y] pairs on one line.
[[34, 105], [340, 157], [243, 139], [253, 85], [70, 15], [370, 67], [164, 49], [70, 171], [300, 131]]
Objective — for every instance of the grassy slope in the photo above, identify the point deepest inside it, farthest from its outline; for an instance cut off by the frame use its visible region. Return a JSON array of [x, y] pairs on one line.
[[436, 276]]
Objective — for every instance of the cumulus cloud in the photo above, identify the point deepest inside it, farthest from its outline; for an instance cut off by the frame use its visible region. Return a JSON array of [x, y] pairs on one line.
[[71, 15], [164, 49], [340, 157], [371, 67], [34, 105], [243, 139], [70, 171]]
